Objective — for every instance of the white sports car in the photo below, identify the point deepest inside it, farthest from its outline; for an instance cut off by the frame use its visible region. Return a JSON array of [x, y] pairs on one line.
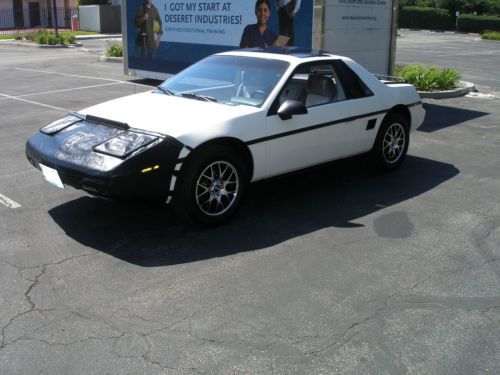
[[199, 138]]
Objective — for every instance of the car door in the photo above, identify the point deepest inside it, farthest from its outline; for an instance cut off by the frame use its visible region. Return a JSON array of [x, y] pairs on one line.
[[330, 130]]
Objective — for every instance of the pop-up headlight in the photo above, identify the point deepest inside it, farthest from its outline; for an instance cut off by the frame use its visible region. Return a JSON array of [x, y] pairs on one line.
[[60, 124], [125, 144]]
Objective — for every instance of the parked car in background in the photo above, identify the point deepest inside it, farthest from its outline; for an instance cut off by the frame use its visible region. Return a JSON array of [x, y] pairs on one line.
[[197, 140]]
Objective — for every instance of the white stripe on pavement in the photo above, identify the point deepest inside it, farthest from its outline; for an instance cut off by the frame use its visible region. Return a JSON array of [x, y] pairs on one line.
[[78, 76], [63, 90], [6, 201], [36, 103]]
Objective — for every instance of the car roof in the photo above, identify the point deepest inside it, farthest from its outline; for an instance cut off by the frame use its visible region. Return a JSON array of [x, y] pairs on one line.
[[290, 54]]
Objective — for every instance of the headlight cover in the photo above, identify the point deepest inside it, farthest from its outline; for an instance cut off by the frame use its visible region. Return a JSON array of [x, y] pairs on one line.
[[60, 124], [125, 144]]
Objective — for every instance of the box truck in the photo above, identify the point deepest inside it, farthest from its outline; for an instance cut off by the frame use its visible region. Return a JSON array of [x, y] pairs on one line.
[[162, 37]]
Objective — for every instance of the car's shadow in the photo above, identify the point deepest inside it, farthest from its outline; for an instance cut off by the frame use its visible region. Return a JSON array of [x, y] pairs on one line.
[[274, 211], [441, 117]]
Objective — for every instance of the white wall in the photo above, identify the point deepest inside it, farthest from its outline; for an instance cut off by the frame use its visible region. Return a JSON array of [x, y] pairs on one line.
[[361, 30], [89, 18]]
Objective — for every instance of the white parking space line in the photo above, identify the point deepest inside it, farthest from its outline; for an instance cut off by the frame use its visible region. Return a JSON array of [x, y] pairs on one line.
[[79, 76], [36, 103], [63, 90], [6, 201]]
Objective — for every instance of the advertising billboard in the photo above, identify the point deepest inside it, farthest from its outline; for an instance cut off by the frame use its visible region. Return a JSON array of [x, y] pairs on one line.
[[164, 36], [161, 37]]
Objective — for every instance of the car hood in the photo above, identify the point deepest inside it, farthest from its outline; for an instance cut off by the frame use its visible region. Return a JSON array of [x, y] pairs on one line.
[[170, 115]]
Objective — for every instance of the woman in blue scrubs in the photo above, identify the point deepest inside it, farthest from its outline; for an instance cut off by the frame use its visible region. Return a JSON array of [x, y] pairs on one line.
[[258, 34]]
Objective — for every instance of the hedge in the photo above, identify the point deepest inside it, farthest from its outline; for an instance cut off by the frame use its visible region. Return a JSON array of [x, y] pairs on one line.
[[478, 24], [411, 17], [425, 18]]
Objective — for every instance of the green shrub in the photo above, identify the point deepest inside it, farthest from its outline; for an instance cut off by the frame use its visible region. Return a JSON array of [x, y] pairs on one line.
[[114, 50], [49, 37], [429, 78], [491, 35], [41, 38], [425, 18], [477, 24], [53, 39], [32, 35], [418, 3], [67, 38], [70, 38]]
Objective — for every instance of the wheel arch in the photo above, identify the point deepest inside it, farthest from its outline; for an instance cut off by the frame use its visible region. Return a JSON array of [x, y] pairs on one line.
[[235, 144], [377, 148], [401, 110]]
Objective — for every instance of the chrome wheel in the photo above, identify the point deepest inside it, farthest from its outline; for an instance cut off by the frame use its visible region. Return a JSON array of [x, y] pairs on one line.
[[217, 188], [394, 143]]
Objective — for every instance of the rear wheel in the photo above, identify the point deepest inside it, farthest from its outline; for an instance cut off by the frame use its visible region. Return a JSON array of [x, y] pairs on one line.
[[211, 185], [391, 144]]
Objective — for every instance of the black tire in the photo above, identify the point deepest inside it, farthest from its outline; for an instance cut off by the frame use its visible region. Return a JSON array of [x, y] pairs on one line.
[[391, 144], [211, 185]]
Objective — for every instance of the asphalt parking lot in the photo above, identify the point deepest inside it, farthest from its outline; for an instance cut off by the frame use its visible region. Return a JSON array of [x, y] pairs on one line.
[[334, 270]]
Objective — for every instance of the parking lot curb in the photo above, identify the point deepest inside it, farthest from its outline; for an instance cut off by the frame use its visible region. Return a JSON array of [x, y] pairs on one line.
[[35, 45], [98, 36], [464, 88], [111, 59]]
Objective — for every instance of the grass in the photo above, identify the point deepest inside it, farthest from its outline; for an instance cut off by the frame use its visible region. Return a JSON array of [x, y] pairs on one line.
[[429, 78], [114, 50], [491, 35]]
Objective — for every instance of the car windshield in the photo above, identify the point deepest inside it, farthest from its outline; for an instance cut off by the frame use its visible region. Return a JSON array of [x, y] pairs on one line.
[[233, 80]]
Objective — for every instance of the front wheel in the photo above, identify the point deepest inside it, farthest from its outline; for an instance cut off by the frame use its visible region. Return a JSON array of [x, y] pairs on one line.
[[391, 144], [211, 186]]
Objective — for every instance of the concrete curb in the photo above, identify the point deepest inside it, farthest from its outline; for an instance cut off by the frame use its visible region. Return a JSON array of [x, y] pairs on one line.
[[111, 59], [464, 88], [98, 36], [438, 31], [35, 45]]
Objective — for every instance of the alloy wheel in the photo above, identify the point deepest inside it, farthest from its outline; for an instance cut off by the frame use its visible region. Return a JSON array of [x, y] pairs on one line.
[[217, 188], [394, 143]]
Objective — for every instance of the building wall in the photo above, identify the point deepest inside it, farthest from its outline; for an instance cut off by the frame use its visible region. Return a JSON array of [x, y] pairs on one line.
[[5, 4], [45, 17]]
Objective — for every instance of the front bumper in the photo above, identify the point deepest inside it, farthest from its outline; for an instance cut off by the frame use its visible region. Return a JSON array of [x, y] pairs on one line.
[[70, 152]]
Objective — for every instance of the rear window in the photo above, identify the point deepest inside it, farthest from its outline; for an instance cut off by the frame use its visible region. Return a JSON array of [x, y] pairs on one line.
[[354, 87]]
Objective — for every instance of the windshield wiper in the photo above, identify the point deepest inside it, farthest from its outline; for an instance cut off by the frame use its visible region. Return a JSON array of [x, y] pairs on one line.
[[193, 95], [164, 90]]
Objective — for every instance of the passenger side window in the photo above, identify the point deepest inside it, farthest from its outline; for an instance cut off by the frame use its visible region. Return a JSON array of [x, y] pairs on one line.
[[313, 85], [322, 83]]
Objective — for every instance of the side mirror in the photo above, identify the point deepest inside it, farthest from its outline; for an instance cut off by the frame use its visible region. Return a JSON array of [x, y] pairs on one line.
[[290, 108]]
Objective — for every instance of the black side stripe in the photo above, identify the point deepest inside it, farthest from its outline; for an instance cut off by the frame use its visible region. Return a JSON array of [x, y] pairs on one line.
[[313, 127]]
